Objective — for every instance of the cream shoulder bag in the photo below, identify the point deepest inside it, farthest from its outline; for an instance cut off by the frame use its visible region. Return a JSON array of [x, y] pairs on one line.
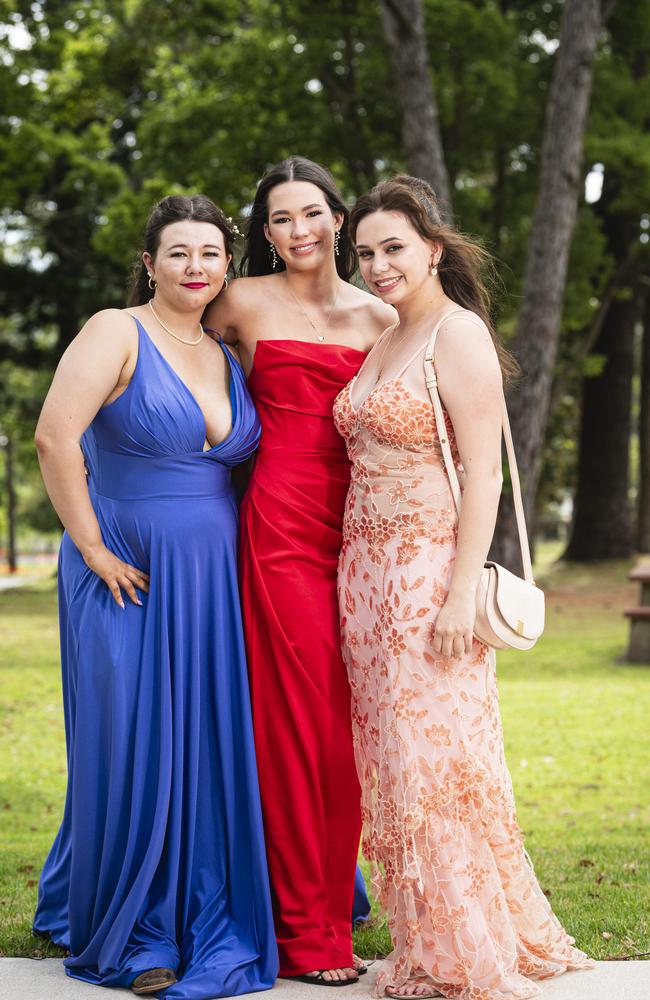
[[509, 610]]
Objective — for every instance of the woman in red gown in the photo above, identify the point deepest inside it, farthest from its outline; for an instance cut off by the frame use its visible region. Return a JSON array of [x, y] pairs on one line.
[[303, 332]]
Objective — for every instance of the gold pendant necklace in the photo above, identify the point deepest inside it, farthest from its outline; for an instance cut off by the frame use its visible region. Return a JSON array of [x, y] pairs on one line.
[[190, 343], [320, 337]]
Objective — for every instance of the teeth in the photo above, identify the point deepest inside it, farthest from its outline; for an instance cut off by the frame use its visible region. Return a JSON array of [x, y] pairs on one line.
[[387, 281]]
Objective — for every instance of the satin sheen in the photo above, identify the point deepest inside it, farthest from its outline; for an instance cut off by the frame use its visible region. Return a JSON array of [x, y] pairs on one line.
[[291, 525], [160, 858]]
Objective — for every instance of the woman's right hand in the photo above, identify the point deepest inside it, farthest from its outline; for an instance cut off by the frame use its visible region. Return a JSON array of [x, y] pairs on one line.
[[117, 575]]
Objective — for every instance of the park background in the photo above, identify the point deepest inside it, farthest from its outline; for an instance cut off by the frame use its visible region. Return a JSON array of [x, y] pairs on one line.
[[531, 121]]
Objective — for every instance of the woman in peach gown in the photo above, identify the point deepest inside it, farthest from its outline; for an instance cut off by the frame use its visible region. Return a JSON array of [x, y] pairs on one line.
[[467, 916]]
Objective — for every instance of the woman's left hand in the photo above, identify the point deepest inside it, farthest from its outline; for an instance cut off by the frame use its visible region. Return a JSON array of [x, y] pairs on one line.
[[454, 627]]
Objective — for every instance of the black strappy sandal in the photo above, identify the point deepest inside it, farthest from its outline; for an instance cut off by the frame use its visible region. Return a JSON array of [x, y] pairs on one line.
[[317, 979]]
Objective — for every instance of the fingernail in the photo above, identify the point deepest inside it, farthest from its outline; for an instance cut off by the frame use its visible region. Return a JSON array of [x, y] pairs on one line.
[[138, 602], [122, 606]]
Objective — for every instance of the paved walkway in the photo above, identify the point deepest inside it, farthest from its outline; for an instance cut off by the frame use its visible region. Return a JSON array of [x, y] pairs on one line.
[[26, 979], [10, 582]]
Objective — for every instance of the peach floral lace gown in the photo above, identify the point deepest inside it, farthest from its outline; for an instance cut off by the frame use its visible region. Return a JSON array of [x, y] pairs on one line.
[[465, 910]]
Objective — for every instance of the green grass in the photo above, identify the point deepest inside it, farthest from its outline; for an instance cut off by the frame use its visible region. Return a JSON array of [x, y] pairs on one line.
[[577, 738]]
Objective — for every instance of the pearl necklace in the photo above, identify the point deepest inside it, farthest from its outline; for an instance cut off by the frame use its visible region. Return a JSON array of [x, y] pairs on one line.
[[320, 337], [191, 343]]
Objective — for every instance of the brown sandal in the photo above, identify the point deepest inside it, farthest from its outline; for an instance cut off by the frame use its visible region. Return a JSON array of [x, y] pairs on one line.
[[153, 980]]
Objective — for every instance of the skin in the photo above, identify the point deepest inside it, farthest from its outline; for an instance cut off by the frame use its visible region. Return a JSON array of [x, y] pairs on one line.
[[396, 262], [98, 366], [265, 307], [302, 226]]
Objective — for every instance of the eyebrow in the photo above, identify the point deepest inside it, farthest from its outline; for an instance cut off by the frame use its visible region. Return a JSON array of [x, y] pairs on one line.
[[285, 211], [183, 246], [389, 239]]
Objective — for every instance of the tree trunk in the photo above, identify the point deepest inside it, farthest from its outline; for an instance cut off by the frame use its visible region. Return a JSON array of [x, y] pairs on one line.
[[538, 324], [403, 22], [12, 558], [602, 523], [643, 539]]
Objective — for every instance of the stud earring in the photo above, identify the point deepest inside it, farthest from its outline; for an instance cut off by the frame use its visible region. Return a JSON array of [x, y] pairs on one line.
[[337, 240], [152, 282], [274, 256]]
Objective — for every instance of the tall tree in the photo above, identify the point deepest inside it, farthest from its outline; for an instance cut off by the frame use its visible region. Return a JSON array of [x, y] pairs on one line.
[[643, 523], [538, 323], [602, 521], [602, 524], [403, 22]]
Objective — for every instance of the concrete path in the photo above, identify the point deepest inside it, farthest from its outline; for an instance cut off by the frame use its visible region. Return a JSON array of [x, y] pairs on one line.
[[26, 979], [11, 582]]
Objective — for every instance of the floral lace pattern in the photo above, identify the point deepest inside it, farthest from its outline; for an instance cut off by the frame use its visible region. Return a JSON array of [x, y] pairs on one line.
[[465, 910]]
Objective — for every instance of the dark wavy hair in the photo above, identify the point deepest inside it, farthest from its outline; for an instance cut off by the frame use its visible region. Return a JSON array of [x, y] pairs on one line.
[[174, 208], [463, 262], [257, 253]]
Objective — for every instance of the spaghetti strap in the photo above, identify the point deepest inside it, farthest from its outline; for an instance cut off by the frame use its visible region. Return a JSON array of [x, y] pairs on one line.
[[411, 359], [380, 338], [422, 347]]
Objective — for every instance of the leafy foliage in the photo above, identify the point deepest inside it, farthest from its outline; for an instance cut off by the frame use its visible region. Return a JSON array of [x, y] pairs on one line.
[[109, 104]]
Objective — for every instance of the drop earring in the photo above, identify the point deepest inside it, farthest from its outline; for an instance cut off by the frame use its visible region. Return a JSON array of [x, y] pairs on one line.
[[152, 282], [434, 270], [337, 240], [274, 256]]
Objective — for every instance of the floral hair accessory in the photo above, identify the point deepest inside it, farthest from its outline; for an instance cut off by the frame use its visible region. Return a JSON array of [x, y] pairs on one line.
[[233, 225]]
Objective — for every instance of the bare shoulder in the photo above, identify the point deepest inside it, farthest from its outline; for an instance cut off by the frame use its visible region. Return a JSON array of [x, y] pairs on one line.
[[111, 330], [465, 344], [376, 314], [250, 290], [464, 330], [228, 314]]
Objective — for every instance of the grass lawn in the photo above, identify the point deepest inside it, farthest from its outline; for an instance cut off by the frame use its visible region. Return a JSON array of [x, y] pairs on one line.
[[577, 739]]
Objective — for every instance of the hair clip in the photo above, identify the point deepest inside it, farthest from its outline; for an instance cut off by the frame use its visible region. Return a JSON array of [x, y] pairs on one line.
[[233, 225]]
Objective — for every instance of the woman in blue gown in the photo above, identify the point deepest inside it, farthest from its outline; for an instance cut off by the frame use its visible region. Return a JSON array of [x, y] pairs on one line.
[[157, 879]]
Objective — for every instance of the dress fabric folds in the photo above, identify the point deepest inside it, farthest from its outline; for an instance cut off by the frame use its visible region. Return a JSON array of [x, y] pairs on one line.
[[465, 910], [160, 857], [291, 522]]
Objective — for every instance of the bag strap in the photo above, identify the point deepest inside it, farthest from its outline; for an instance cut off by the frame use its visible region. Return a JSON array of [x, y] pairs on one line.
[[431, 382]]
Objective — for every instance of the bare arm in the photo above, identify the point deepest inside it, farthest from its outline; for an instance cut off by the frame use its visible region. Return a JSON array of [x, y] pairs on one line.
[[221, 314], [86, 376], [470, 384]]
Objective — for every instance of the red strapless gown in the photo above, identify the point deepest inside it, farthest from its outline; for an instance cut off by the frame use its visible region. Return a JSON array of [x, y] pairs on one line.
[[291, 529]]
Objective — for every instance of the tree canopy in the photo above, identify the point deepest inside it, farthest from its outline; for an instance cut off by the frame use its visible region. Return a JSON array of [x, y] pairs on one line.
[[107, 105]]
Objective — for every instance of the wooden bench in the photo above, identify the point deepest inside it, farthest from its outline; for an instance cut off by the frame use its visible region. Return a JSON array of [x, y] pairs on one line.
[[638, 650]]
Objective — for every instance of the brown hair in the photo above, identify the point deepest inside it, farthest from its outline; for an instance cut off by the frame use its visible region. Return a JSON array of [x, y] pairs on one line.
[[463, 261], [174, 208]]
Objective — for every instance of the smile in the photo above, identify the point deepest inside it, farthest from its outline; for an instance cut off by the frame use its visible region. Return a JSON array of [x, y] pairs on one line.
[[195, 284], [304, 248], [387, 284]]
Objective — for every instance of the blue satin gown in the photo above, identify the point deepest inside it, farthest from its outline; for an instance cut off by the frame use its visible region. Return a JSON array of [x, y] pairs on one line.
[[160, 857]]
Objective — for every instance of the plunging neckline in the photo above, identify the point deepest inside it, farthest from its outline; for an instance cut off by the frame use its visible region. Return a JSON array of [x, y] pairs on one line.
[[190, 394], [397, 379], [380, 385], [388, 381]]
